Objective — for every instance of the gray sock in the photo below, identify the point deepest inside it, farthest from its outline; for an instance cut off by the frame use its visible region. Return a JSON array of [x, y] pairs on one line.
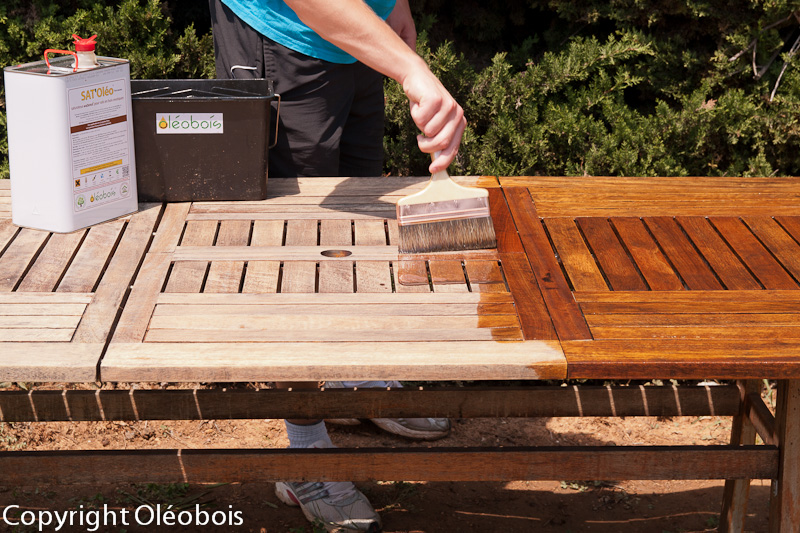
[[304, 436]]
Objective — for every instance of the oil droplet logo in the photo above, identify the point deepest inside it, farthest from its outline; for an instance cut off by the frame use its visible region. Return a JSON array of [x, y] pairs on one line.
[[163, 123]]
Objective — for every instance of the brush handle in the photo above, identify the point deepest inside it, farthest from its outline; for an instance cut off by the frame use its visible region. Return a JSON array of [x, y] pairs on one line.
[[442, 188]]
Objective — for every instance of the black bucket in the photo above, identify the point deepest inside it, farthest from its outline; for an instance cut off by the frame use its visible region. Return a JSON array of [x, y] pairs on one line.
[[201, 140]]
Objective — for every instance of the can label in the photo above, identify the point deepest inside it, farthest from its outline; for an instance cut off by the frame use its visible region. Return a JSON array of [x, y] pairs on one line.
[[195, 123], [101, 157]]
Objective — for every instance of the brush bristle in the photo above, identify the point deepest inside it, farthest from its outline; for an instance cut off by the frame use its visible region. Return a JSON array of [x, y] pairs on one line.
[[447, 236]]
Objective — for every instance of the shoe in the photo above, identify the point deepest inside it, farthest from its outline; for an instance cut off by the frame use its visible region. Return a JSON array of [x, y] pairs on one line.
[[339, 506], [412, 428]]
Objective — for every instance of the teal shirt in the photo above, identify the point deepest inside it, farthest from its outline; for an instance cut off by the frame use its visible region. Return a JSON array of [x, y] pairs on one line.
[[277, 21]]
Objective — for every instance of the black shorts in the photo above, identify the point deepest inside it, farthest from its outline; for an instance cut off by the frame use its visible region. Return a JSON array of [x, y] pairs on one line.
[[331, 116]]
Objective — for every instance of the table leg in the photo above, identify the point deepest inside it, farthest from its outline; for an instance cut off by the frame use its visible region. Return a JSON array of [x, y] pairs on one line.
[[737, 491], [784, 512]]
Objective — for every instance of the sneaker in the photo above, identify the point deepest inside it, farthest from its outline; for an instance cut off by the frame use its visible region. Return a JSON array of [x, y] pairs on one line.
[[412, 428], [339, 506]]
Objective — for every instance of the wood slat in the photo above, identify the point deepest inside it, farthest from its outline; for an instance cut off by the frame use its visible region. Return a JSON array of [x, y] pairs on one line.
[[760, 262], [324, 299], [716, 251], [18, 256], [370, 233], [534, 319], [366, 335], [451, 464], [51, 264], [301, 232], [448, 276], [617, 266], [780, 244], [692, 331], [682, 254], [170, 228], [683, 358], [226, 276], [730, 320], [506, 232], [701, 302], [132, 324], [373, 276], [410, 276], [299, 277], [564, 312], [363, 309], [300, 361], [188, 276], [301, 253], [451, 402], [298, 322], [648, 257], [262, 276], [336, 233], [101, 313], [338, 277], [578, 261], [7, 231], [85, 270], [58, 362], [21, 309]]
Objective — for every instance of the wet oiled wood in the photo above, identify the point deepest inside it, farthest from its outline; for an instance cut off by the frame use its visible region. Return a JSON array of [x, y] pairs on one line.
[[760, 262], [683, 358], [691, 302], [651, 262], [534, 318], [731, 271], [682, 254], [203, 404], [778, 241], [451, 464], [578, 261], [611, 255], [659, 196], [564, 312], [301, 361]]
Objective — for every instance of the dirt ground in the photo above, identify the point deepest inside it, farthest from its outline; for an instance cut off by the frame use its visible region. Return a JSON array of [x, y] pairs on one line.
[[613, 506]]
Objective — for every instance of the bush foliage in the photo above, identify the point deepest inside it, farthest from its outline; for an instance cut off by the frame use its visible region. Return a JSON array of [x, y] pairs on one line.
[[550, 87]]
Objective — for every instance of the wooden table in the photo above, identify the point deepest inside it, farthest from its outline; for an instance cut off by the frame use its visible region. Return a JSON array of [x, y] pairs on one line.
[[593, 278]]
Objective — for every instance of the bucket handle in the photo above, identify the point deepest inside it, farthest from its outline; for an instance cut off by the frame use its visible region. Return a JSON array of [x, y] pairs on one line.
[[277, 119], [54, 51]]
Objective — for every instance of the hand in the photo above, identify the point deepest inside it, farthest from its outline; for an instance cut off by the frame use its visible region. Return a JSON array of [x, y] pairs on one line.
[[437, 114], [402, 23]]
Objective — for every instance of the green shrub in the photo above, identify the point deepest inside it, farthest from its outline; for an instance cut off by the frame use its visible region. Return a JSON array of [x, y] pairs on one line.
[[670, 87]]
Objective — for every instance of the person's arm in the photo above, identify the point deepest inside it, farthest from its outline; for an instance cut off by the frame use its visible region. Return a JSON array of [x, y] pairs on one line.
[[355, 28]]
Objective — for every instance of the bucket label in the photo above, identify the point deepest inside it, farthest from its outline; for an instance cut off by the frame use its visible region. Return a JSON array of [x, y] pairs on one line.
[[195, 123], [100, 144]]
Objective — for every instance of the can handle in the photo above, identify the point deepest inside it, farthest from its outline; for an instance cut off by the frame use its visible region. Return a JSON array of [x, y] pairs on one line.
[[277, 119], [54, 51]]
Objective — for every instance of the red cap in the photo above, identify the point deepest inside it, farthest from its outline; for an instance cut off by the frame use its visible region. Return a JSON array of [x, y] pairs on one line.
[[84, 45]]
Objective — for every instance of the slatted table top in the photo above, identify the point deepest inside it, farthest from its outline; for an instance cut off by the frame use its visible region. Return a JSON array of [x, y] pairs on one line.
[[592, 278]]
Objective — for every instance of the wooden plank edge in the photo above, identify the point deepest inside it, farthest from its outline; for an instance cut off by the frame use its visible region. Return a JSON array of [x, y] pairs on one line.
[[389, 464], [450, 402]]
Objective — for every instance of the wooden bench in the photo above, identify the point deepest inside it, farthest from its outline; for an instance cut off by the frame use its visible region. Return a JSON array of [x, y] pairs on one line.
[[593, 278]]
